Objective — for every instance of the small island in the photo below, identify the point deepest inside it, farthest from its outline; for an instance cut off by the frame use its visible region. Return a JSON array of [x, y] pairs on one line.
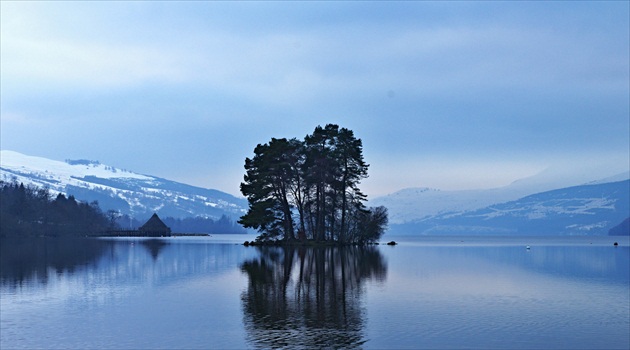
[[307, 191]]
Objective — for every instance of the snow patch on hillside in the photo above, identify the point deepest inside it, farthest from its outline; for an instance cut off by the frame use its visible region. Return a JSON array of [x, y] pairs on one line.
[[419, 204], [91, 180], [14, 161]]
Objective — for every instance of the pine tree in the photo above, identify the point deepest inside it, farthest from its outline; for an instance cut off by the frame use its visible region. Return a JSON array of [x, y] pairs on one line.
[[317, 179]]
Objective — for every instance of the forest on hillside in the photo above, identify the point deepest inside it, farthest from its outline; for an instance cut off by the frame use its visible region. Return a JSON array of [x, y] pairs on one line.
[[27, 211]]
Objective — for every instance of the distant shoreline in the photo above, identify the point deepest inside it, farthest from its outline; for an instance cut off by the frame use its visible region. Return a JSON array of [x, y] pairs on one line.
[[136, 233]]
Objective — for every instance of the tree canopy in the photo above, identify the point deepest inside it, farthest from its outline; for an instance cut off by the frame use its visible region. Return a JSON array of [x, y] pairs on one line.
[[309, 189], [31, 211]]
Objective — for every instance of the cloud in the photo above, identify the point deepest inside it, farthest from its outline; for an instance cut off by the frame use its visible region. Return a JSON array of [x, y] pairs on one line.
[[301, 64], [473, 84], [72, 64]]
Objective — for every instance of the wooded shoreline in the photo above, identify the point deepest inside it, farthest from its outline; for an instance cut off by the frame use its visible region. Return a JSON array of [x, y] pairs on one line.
[[136, 233]]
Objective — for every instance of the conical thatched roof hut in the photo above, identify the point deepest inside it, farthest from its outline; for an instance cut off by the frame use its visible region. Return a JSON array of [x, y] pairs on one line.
[[155, 227]]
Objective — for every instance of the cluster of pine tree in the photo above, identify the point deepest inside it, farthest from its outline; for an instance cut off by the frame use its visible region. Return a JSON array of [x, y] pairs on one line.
[[29, 211], [309, 189]]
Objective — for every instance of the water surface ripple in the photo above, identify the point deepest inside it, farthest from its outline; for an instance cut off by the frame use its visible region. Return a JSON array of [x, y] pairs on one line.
[[426, 292]]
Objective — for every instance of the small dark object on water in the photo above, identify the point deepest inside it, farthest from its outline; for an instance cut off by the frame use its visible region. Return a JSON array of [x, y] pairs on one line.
[[392, 243], [246, 243], [615, 244]]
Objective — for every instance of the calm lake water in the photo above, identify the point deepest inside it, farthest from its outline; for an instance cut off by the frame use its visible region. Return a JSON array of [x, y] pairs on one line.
[[426, 292]]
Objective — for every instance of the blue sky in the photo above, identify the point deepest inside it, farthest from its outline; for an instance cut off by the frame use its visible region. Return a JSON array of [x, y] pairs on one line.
[[452, 95]]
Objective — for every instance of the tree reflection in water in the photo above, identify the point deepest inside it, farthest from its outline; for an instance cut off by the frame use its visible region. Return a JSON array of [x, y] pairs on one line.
[[24, 260], [308, 297]]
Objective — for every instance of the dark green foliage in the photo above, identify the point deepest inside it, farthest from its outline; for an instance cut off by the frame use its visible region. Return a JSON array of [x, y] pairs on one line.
[[309, 189], [27, 211], [370, 225]]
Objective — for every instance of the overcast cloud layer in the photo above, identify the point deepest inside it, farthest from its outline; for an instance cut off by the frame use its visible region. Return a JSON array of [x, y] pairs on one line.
[[451, 95]]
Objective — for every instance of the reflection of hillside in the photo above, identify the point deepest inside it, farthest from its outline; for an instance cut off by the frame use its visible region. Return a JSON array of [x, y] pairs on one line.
[[127, 262], [22, 260], [308, 297], [133, 263]]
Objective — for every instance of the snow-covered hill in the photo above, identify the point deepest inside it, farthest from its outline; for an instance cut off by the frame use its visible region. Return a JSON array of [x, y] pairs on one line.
[[591, 209], [131, 193], [530, 206], [414, 204]]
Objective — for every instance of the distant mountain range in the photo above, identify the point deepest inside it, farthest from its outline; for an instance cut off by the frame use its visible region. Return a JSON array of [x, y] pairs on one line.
[[593, 208], [529, 206], [413, 204], [130, 193], [623, 229]]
